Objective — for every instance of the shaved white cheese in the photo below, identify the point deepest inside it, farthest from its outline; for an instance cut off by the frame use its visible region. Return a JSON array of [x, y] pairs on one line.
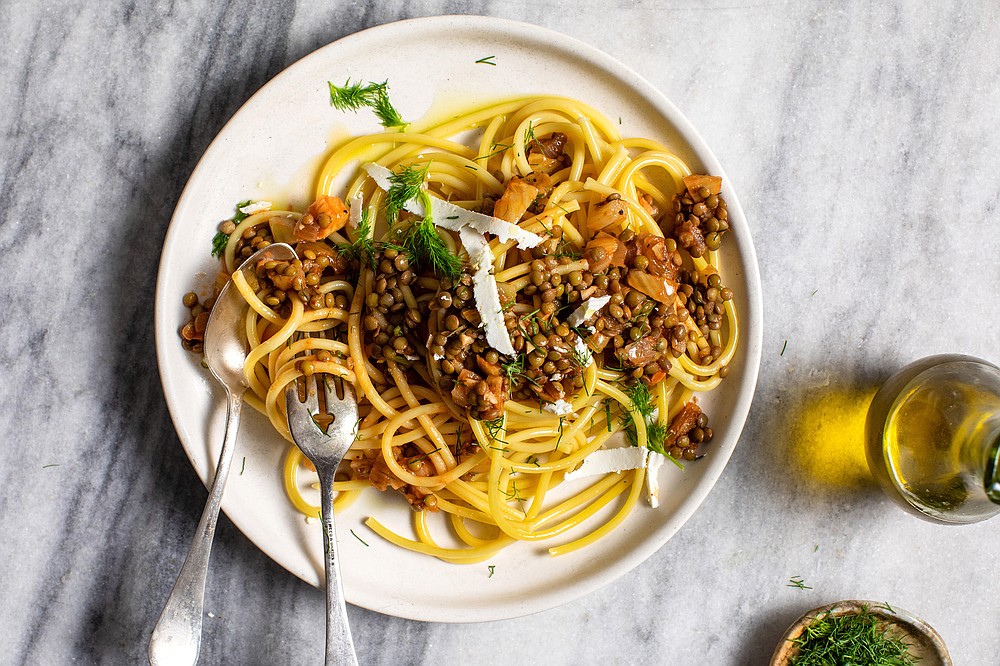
[[355, 217], [477, 247], [582, 351], [653, 463], [484, 289], [607, 461], [559, 407], [380, 175], [589, 308], [255, 207], [453, 217]]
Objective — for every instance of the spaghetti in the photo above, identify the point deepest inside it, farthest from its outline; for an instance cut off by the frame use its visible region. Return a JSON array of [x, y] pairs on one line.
[[610, 322]]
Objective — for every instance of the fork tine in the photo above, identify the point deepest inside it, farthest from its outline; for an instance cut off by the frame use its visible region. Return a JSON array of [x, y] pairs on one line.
[[324, 382], [345, 410], [300, 420]]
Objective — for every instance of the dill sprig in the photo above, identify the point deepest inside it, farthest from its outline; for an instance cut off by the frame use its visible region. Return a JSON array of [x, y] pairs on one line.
[[566, 249], [530, 138], [854, 638], [422, 242], [515, 371], [362, 248], [498, 148], [403, 188], [514, 494], [799, 582], [642, 407], [375, 96], [495, 429], [656, 435], [221, 239], [424, 246]]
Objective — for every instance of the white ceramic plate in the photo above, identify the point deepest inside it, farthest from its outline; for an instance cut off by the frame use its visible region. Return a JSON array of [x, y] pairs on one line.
[[270, 149]]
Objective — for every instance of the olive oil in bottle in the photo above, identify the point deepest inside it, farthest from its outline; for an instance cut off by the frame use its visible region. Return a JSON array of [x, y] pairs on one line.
[[932, 438]]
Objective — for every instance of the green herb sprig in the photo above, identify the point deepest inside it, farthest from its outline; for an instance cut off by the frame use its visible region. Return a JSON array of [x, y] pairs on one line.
[[496, 428], [362, 248], [422, 242], [221, 239], [404, 186], [375, 96], [515, 371], [424, 246], [529, 136], [497, 148], [799, 582], [642, 407], [854, 638]]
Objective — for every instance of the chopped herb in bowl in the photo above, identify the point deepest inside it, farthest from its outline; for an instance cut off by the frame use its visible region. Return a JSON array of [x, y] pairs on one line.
[[860, 633], [860, 639]]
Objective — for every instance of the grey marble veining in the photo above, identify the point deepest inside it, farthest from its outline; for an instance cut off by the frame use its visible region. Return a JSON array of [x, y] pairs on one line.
[[863, 141]]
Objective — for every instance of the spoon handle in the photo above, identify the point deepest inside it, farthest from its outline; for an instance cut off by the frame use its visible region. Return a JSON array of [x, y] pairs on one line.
[[339, 644], [177, 635]]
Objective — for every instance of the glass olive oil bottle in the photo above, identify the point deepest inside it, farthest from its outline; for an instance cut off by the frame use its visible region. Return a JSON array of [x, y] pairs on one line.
[[932, 438]]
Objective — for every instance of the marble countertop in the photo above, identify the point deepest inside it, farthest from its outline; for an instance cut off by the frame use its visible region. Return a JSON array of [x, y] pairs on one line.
[[863, 140]]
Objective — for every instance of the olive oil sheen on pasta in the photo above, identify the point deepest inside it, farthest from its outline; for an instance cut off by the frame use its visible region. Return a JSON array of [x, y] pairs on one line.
[[933, 439]]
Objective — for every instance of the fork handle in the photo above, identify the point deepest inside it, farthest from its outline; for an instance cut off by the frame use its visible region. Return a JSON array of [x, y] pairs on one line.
[[339, 644], [177, 636]]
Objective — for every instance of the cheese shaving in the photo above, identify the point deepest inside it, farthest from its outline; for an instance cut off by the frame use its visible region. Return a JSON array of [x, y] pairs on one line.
[[559, 407], [453, 217], [355, 217], [484, 290], [653, 463], [608, 461], [589, 308], [255, 207]]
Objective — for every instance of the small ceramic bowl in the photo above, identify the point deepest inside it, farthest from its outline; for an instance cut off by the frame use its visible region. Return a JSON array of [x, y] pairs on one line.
[[924, 642]]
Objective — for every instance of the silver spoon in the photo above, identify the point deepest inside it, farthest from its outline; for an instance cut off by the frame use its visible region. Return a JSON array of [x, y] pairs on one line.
[[177, 635]]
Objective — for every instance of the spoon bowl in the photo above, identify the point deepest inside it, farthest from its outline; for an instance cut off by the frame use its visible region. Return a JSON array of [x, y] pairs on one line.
[[176, 637]]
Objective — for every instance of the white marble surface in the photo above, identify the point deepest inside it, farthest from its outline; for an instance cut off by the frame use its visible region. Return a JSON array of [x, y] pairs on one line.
[[863, 140]]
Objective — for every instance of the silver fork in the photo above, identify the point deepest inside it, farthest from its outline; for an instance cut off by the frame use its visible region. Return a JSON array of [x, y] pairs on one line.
[[325, 450]]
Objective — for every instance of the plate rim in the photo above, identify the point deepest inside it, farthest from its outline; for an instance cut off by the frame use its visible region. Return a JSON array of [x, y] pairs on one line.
[[752, 328]]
